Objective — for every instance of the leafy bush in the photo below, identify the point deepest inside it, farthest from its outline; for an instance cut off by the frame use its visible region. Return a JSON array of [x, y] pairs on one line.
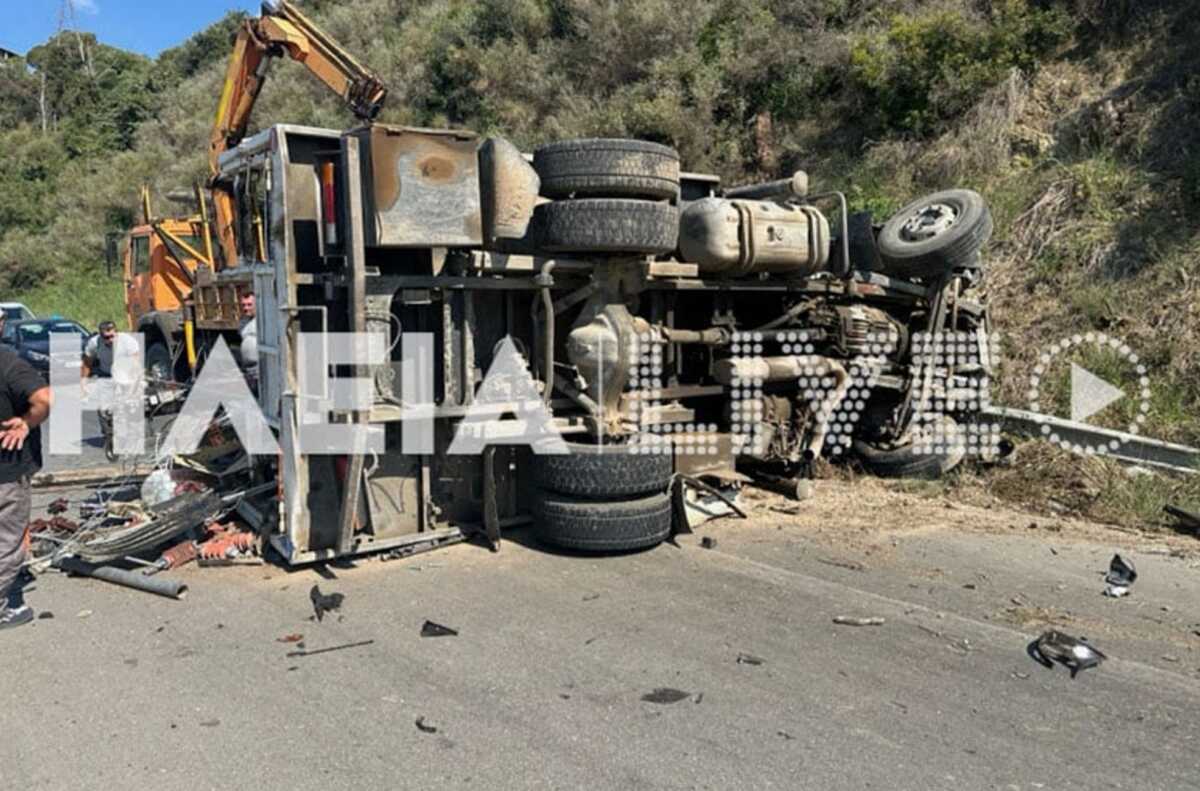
[[924, 70]]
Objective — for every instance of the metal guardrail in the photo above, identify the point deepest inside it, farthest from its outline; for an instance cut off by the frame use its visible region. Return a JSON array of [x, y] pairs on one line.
[[1132, 448]]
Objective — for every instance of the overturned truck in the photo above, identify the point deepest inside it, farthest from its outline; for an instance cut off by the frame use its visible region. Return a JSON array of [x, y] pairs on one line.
[[644, 324]]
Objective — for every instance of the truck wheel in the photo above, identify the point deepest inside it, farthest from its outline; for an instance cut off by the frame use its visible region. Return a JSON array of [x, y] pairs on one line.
[[935, 234], [907, 460], [158, 363], [608, 226], [594, 471], [599, 526], [607, 168]]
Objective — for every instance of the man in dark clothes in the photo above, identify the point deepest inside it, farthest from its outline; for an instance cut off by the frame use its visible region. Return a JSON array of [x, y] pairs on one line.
[[24, 405]]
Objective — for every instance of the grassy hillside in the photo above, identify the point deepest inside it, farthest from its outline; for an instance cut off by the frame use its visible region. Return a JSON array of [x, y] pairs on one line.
[[1075, 118]]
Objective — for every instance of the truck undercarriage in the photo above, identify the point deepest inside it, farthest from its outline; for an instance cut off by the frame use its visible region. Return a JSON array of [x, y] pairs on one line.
[[663, 326]]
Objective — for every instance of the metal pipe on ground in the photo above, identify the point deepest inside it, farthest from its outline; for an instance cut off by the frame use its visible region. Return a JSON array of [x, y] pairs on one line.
[[172, 589]]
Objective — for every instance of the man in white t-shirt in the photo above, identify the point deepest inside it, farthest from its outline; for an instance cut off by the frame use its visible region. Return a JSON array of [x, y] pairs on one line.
[[98, 355]]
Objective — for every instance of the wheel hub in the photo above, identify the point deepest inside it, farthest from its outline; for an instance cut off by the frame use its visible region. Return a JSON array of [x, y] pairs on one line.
[[928, 222]]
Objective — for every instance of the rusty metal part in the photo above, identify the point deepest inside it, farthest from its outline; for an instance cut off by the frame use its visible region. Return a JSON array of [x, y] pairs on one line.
[[57, 524], [423, 187], [182, 553]]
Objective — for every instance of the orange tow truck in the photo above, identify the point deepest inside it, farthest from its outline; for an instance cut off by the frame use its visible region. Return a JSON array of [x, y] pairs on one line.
[[168, 264], [158, 264]]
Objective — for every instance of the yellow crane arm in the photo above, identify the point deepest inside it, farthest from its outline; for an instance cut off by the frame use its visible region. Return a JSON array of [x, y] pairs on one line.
[[281, 30]]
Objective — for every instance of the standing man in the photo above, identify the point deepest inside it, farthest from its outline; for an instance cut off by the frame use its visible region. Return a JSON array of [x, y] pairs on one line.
[[98, 355], [24, 406], [249, 333]]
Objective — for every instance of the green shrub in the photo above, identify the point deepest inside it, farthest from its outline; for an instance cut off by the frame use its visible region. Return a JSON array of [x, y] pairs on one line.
[[924, 70]]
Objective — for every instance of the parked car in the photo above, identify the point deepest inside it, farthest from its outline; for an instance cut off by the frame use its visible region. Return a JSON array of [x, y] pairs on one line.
[[16, 311], [31, 338]]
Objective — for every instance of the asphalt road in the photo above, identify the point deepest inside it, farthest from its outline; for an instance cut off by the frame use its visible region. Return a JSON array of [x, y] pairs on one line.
[[544, 685], [91, 447]]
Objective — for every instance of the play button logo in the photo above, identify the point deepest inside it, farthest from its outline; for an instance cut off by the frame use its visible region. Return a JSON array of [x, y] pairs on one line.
[[1089, 393]]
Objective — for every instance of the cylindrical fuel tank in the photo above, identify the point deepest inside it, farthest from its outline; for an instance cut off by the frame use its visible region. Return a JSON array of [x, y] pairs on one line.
[[742, 237]]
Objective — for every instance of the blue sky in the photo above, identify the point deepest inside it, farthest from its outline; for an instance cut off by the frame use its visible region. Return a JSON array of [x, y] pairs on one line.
[[145, 26]]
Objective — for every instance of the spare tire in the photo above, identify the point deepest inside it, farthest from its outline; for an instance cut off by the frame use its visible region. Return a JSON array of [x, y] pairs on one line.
[[607, 168], [605, 471], [602, 526], [607, 226], [935, 234]]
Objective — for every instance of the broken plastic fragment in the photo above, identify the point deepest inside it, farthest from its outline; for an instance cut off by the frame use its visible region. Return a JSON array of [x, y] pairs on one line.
[[323, 604], [431, 629], [666, 695], [1116, 591], [1075, 654], [1121, 572], [425, 727]]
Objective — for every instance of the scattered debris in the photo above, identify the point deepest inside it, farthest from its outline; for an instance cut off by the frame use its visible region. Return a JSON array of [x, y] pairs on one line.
[[666, 695], [1170, 658], [787, 737], [1055, 646], [324, 603], [431, 629], [699, 697], [843, 564], [708, 542], [227, 541], [1020, 675], [331, 648], [59, 506], [425, 727], [591, 597], [1121, 575], [179, 555], [210, 723], [290, 638], [83, 614], [45, 615], [848, 620], [750, 659]]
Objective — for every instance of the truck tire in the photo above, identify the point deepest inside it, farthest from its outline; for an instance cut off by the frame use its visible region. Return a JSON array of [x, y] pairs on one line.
[[159, 365], [904, 460], [602, 471], [602, 526], [935, 234], [608, 226], [607, 168]]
